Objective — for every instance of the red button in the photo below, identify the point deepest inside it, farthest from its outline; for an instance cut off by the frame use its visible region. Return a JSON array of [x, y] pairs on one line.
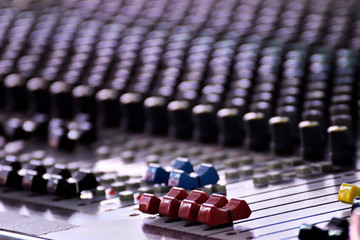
[[149, 203], [170, 203], [217, 200], [208, 209], [239, 209], [189, 207], [178, 193], [234, 210]]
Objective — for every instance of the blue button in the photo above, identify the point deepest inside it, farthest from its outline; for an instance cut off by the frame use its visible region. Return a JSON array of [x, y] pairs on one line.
[[207, 174], [183, 164], [178, 178], [156, 174]]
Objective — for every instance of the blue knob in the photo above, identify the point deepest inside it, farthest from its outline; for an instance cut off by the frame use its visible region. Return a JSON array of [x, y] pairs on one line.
[[178, 178], [156, 174], [207, 174], [183, 164]]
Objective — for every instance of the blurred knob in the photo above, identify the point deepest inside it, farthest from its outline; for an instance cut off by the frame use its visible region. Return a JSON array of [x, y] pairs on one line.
[[230, 124], [38, 95], [256, 128], [61, 100], [108, 107], [281, 135], [15, 93], [84, 101], [312, 142], [181, 125], [156, 115], [132, 111], [340, 148], [205, 124]]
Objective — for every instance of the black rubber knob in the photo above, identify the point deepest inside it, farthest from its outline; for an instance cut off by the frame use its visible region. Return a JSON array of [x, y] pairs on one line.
[[61, 100], [205, 123], [82, 180], [231, 127], [340, 147], [108, 107], [281, 135], [312, 142], [84, 101], [180, 118], [132, 111], [15, 92], [156, 115], [257, 131], [33, 181], [38, 96]]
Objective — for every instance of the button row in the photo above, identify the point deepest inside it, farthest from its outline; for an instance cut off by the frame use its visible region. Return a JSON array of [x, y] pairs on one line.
[[195, 207], [181, 174], [58, 180]]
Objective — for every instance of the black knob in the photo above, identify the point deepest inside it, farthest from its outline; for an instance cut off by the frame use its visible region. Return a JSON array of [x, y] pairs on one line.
[[33, 180], [311, 232], [156, 115], [108, 107], [312, 142], [32, 176], [10, 177], [205, 123], [340, 147], [38, 96], [281, 135], [61, 100], [82, 180], [15, 92], [56, 179], [84, 101], [132, 111], [56, 184], [231, 127], [257, 132], [181, 125]]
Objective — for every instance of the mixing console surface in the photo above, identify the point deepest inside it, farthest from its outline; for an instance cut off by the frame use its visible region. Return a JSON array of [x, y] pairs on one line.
[[192, 119]]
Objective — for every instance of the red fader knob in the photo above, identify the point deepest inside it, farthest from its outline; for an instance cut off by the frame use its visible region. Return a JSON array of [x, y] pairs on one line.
[[189, 207], [213, 215], [215, 200], [170, 203], [149, 203]]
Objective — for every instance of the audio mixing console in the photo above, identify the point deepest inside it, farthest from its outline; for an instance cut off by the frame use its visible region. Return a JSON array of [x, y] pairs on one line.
[[191, 119]]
